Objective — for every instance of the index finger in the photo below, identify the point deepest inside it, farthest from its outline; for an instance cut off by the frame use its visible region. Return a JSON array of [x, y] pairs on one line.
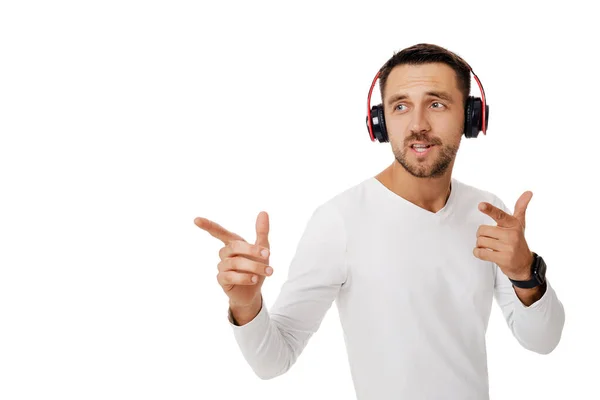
[[216, 230], [501, 217]]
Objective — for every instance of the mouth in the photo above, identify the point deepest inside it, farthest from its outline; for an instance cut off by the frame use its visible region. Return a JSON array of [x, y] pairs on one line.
[[421, 149]]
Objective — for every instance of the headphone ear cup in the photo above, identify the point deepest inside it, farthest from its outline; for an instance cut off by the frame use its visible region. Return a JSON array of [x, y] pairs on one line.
[[378, 122], [383, 137], [473, 117], [468, 116]]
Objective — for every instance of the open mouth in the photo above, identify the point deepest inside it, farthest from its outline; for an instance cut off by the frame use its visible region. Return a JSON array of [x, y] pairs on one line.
[[421, 148]]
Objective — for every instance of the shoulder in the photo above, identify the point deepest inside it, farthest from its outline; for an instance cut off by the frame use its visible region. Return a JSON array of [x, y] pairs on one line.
[[347, 198], [473, 195]]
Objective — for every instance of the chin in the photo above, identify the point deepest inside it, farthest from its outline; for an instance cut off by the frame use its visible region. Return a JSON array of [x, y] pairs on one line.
[[425, 168]]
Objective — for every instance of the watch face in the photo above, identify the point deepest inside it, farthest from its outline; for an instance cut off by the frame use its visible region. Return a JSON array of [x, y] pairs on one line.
[[541, 270]]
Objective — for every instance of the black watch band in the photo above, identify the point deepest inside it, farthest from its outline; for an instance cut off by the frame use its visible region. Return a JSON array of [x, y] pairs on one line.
[[538, 274]]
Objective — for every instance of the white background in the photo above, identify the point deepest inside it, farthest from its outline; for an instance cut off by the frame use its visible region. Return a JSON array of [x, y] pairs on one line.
[[121, 121]]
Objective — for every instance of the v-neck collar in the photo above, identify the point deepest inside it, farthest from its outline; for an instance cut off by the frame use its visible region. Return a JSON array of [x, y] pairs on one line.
[[446, 209]]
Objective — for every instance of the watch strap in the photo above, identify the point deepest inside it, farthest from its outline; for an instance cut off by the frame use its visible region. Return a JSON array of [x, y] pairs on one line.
[[535, 280]]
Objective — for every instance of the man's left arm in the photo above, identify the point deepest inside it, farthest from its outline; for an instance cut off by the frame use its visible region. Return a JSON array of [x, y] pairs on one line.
[[535, 316]]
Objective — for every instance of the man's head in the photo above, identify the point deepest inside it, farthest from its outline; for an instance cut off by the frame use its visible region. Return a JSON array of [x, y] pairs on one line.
[[424, 89]]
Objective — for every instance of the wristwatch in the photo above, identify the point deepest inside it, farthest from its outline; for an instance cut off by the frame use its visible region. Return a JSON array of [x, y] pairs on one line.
[[538, 274]]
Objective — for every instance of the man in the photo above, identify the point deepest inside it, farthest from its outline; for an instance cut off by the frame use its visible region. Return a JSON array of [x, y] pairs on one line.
[[412, 257]]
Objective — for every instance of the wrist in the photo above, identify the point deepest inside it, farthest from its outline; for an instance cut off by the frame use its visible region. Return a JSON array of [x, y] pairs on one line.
[[530, 296], [245, 305], [537, 278], [525, 272], [522, 277], [241, 314]]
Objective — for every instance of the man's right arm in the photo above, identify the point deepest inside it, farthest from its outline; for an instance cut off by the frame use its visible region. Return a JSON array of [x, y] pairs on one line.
[[272, 340]]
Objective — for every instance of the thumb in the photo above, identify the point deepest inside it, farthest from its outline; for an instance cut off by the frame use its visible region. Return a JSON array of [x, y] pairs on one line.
[[521, 207], [262, 229]]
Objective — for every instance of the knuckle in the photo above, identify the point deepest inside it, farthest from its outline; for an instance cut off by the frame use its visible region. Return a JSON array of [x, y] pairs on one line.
[[254, 250], [237, 278], [239, 245], [236, 263], [232, 278], [257, 250], [247, 265], [242, 278], [485, 230], [223, 252], [480, 241], [227, 264]]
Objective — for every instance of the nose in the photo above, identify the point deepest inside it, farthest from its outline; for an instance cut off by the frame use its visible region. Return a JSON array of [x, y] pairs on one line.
[[419, 122]]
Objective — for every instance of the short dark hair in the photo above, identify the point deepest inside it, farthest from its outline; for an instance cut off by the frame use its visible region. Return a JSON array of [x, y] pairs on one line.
[[425, 53]]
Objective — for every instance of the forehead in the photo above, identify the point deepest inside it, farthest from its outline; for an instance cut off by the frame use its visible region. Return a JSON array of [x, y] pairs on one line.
[[421, 77]]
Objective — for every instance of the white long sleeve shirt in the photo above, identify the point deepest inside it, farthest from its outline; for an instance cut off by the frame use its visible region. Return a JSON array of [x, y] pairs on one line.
[[413, 300]]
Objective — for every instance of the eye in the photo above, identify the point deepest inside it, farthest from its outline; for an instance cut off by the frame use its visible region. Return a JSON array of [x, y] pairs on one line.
[[440, 104], [400, 105]]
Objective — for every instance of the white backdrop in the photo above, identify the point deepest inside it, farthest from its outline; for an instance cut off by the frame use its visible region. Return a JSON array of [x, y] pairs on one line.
[[122, 121]]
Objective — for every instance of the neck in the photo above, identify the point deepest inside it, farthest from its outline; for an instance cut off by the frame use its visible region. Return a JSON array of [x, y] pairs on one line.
[[428, 193]]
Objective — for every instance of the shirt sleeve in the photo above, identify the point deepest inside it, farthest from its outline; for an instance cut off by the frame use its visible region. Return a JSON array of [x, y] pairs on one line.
[[275, 338], [537, 327]]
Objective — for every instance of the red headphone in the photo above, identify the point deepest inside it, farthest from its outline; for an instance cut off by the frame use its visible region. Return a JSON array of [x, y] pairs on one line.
[[476, 120]]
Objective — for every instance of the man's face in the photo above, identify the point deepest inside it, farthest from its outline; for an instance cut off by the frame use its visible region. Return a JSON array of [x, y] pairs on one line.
[[423, 104]]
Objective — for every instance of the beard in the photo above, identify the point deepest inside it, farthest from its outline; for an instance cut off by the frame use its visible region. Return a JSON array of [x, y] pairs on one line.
[[429, 167]]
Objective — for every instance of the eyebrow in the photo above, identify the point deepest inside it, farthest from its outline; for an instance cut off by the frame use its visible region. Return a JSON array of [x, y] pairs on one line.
[[441, 95]]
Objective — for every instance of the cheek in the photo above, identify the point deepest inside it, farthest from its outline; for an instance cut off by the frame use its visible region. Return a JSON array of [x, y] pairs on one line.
[[449, 125], [452, 118], [397, 129], [459, 118], [392, 122]]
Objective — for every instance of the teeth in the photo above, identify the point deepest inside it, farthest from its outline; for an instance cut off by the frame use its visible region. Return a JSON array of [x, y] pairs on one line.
[[421, 149]]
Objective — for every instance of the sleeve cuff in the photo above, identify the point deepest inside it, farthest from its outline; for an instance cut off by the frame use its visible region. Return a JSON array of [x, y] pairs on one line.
[[540, 303], [261, 319]]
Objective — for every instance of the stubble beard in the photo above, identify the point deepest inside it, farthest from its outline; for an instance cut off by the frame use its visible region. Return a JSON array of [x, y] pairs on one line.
[[426, 168]]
